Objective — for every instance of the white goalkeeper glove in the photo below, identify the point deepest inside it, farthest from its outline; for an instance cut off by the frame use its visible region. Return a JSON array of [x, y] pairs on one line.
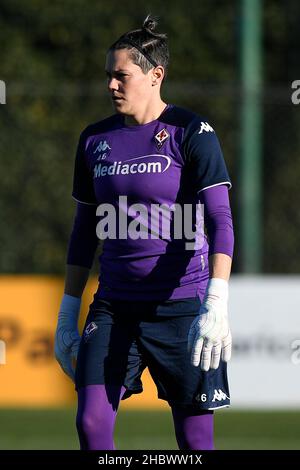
[[67, 337], [209, 336]]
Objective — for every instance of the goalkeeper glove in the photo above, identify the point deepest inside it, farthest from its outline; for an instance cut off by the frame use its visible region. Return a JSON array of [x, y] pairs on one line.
[[209, 336], [67, 337]]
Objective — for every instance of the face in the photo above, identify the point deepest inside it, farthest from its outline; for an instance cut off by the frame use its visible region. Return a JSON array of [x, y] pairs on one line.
[[131, 90]]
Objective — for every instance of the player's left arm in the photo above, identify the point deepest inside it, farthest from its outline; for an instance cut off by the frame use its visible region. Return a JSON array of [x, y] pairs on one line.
[[209, 336], [220, 266]]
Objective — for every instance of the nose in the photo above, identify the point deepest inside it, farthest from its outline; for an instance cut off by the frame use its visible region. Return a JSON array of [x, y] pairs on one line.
[[112, 84]]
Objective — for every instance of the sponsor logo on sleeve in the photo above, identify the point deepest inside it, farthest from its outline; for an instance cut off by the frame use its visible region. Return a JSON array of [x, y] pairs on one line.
[[205, 127]]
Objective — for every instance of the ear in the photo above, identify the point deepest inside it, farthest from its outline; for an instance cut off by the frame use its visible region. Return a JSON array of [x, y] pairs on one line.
[[158, 74]]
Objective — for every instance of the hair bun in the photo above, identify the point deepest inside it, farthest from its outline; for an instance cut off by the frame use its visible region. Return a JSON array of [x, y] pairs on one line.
[[150, 24]]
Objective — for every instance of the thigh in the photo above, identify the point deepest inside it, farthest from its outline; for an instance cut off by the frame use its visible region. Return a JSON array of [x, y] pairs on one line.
[[108, 352], [164, 344]]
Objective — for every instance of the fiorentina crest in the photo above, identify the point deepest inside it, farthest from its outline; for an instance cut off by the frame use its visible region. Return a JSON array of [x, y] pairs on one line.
[[161, 137]]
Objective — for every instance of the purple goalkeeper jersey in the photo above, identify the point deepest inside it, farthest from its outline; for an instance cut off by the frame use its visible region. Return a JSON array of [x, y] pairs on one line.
[[136, 173]]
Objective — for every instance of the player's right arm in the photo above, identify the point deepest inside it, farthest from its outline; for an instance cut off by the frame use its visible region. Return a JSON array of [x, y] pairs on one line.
[[82, 247], [81, 251], [75, 280], [67, 336]]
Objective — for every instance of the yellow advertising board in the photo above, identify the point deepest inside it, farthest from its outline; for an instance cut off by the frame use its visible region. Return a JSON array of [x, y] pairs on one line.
[[29, 373]]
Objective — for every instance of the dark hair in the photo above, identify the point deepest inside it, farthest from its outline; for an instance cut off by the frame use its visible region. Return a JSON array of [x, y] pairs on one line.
[[147, 48]]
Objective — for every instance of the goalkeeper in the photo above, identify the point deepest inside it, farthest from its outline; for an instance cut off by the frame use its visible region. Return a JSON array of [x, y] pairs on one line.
[[160, 303]]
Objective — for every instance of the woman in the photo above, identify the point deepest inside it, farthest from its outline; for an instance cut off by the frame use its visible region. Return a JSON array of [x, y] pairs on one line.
[[162, 298]]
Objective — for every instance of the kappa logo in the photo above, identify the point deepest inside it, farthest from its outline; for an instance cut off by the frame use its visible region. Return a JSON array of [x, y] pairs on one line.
[[161, 137], [102, 147], [90, 328], [205, 127], [219, 395]]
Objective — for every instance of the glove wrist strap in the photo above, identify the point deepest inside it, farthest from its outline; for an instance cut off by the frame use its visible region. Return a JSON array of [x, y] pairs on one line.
[[217, 289], [69, 310]]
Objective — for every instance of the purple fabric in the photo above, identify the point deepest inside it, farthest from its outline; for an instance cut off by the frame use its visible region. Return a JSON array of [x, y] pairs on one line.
[[165, 161], [96, 415], [83, 240], [218, 219], [97, 411], [194, 431]]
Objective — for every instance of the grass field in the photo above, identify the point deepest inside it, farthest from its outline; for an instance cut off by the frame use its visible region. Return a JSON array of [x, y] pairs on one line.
[[55, 429]]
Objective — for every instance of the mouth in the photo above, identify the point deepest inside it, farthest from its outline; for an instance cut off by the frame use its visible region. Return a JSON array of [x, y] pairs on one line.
[[117, 99]]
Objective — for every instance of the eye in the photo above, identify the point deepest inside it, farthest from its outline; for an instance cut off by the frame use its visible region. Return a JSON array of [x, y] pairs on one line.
[[118, 75], [121, 76]]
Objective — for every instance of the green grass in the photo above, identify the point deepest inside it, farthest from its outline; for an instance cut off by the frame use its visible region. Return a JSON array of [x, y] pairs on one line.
[[55, 429]]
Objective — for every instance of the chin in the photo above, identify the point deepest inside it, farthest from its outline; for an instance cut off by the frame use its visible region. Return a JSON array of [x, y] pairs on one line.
[[119, 107]]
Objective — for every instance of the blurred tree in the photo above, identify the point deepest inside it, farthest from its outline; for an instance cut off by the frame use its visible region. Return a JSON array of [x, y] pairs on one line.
[[52, 60]]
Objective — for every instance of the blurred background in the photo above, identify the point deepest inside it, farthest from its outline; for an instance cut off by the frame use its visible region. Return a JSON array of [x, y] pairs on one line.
[[232, 61]]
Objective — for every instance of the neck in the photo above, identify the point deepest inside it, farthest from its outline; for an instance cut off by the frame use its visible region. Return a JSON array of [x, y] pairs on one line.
[[146, 115]]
